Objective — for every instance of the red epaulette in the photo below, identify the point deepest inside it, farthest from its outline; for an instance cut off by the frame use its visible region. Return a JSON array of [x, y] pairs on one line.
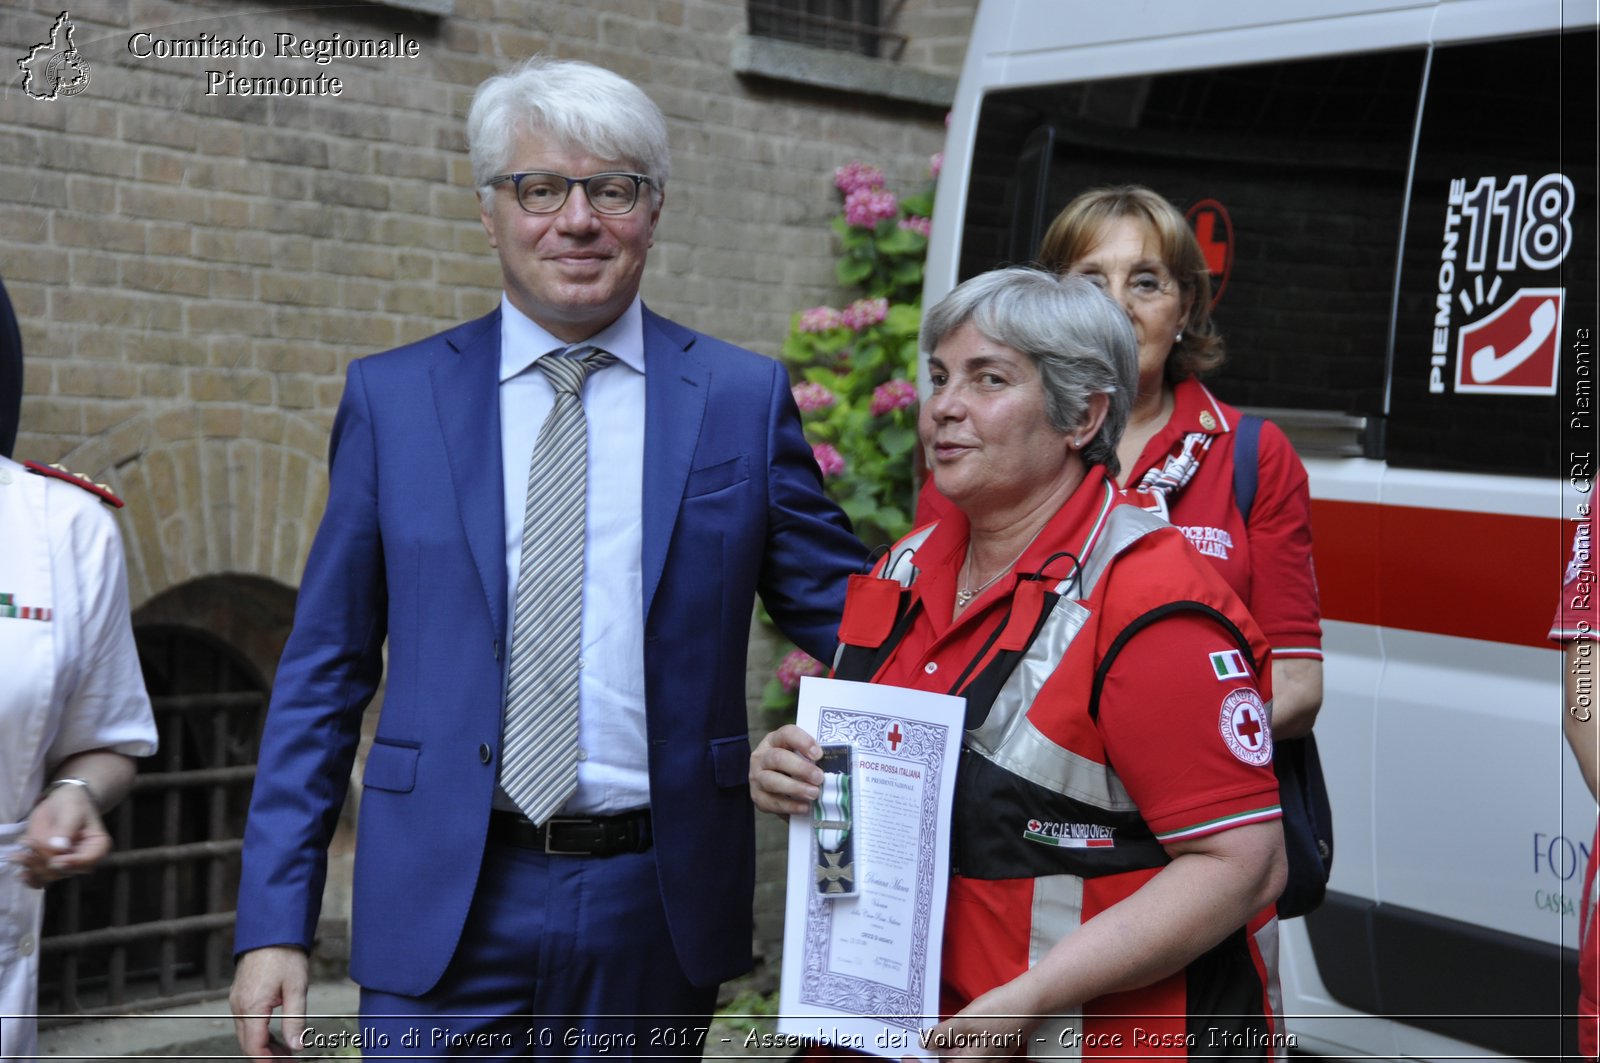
[[101, 491]]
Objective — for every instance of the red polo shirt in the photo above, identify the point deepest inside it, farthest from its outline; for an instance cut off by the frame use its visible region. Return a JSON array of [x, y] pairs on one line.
[[1268, 563], [1180, 720]]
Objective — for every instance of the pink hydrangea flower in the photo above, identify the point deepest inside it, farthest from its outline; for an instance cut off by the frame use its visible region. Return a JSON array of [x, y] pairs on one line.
[[829, 460], [865, 207], [917, 225], [796, 665], [811, 397], [819, 319], [864, 313], [893, 395], [854, 176], [936, 162]]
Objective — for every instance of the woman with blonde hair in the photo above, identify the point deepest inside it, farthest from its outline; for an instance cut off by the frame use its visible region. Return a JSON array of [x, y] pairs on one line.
[[1179, 450]]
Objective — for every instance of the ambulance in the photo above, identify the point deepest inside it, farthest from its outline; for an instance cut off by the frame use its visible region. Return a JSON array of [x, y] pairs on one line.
[[1397, 201]]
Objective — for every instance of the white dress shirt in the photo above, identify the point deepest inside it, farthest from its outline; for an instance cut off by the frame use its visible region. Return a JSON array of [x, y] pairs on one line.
[[613, 773]]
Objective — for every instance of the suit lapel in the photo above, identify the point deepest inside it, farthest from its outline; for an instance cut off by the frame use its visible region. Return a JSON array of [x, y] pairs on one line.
[[676, 385], [466, 396]]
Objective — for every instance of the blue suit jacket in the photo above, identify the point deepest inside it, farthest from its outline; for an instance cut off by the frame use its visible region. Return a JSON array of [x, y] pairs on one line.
[[411, 550]]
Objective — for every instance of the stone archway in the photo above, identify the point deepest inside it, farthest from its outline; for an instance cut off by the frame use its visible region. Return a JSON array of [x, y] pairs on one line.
[[212, 490]]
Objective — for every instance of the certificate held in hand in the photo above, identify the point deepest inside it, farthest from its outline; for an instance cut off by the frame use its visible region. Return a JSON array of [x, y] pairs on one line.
[[868, 870]]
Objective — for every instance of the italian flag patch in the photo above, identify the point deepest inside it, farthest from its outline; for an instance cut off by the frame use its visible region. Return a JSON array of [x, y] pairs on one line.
[[1229, 664]]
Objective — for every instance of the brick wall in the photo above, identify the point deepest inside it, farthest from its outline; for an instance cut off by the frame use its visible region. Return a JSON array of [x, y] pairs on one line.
[[938, 31], [194, 271]]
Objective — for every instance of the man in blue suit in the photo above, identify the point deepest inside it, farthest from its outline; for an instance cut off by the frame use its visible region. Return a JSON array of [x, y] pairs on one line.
[[635, 898]]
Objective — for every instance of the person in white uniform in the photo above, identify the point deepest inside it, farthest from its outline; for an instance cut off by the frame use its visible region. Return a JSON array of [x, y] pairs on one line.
[[73, 707]]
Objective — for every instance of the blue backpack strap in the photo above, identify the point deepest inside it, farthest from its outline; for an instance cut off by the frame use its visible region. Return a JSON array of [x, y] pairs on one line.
[[1246, 462]]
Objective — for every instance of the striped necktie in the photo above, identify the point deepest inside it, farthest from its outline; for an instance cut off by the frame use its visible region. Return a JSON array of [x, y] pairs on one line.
[[539, 766]]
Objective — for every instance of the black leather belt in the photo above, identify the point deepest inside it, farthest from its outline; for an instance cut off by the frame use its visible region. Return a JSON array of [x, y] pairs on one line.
[[627, 832]]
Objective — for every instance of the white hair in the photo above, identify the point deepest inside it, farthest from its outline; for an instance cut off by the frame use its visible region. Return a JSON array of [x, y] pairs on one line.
[[579, 105]]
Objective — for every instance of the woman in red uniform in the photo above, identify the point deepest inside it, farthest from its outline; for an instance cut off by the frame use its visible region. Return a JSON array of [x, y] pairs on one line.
[[1178, 451], [1115, 844], [1576, 620]]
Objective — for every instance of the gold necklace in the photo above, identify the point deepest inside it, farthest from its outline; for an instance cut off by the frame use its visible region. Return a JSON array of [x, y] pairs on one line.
[[967, 592]]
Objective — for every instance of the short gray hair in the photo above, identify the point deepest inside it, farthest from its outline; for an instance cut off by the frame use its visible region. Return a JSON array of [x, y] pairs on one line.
[[579, 105], [1079, 339]]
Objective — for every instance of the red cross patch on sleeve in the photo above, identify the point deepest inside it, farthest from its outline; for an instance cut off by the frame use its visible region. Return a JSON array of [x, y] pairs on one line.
[[1244, 727]]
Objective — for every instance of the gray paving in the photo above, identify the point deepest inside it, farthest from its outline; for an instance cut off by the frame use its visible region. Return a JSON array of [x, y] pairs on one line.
[[195, 1032]]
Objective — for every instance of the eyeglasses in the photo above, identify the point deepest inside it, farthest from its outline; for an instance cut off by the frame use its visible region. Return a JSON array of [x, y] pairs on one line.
[[1145, 285], [539, 192]]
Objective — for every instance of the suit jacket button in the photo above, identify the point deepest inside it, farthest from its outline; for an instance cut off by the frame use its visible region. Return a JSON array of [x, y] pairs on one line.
[[485, 754]]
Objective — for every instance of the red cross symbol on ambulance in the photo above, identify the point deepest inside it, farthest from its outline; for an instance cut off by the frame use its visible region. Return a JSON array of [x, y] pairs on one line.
[[1213, 229]]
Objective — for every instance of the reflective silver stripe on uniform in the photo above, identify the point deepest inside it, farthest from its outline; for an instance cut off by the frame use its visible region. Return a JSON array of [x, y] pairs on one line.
[[898, 566], [1126, 526], [1007, 738], [1032, 756], [1267, 942], [1057, 912], [1009, 712], [1058, 1037]]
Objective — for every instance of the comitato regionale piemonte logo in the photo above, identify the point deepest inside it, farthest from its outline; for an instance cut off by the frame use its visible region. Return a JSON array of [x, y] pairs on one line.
[[54, 68]]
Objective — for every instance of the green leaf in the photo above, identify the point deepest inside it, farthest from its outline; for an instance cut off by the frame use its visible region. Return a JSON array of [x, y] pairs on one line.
[[858, 242], [829, 344], [892, 519], [919, 249], [899, 241], [852, 271], [859, 509], [799, 348], [823, 430], [903, 319], [908, 272], [918, 203], [776, 699], [897, 441]]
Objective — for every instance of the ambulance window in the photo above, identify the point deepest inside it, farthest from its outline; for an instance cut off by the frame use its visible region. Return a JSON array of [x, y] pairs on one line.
[[1497, 285], [1306, 160]]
